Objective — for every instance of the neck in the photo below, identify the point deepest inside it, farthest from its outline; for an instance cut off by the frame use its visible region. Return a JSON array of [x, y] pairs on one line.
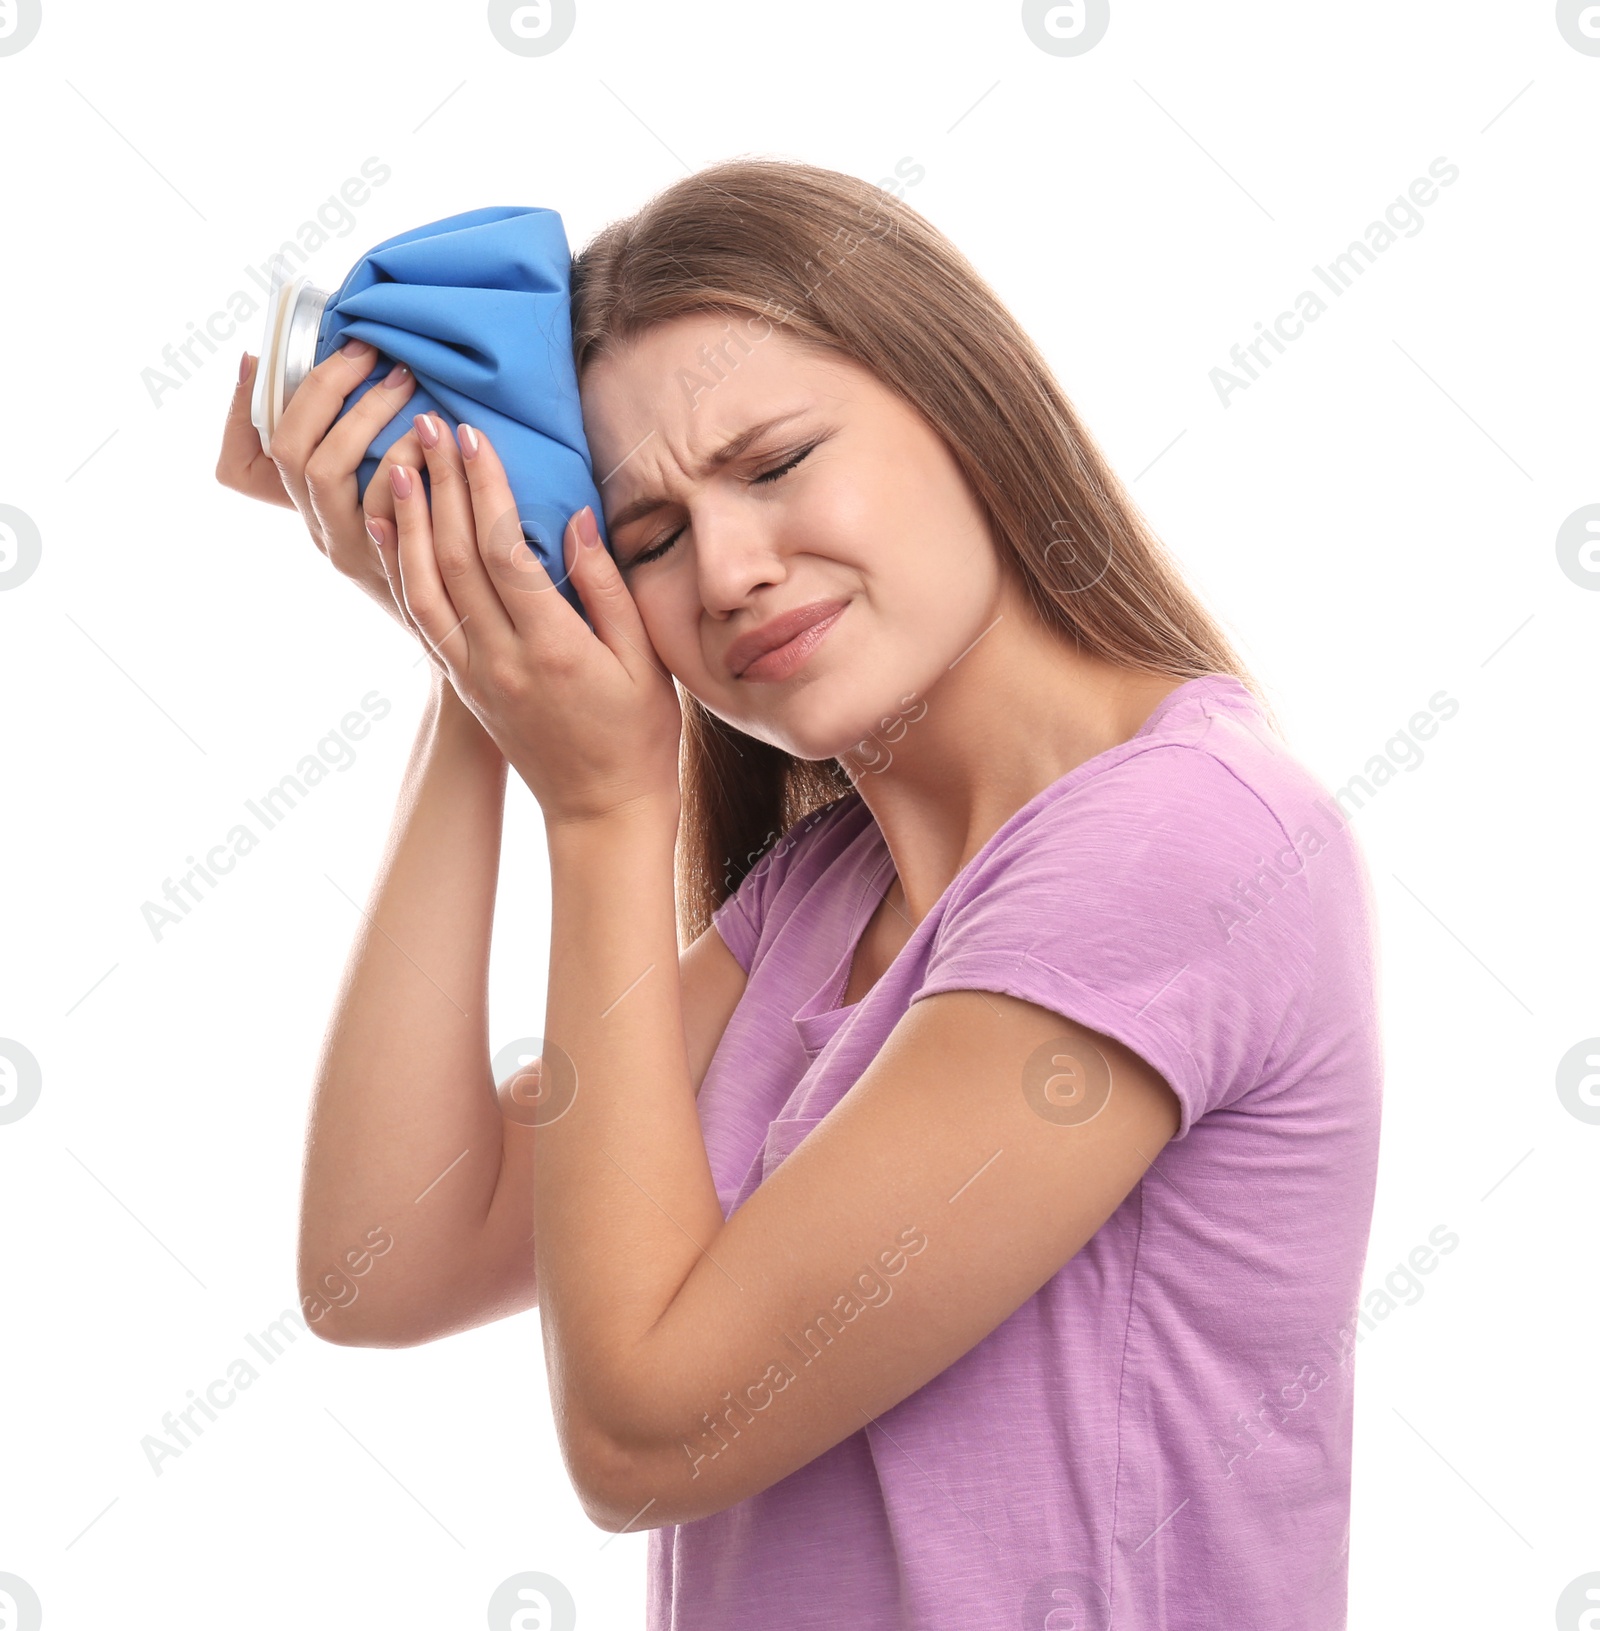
[[1016, 713]]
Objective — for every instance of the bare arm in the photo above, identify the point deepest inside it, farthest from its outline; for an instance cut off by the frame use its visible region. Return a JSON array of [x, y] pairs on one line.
[[406, 1140], [417, 1203], [391, 1252], [679, 1383]]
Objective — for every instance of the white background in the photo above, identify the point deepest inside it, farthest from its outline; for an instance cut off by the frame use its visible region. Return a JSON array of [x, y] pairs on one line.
[[1374, 520]]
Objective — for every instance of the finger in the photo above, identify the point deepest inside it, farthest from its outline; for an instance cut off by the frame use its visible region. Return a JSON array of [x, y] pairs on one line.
[[378, 500], [528, 596], [351, 537], [386, 546], [316, 403], [456, 544], [607, 598], [331, 471], [379, 497], [380, 524], [378, 506], [426, 598], [243, 464], [452, 500]]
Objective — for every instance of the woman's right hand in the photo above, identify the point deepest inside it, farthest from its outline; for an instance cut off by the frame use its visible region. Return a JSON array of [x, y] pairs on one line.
[[312, 468]]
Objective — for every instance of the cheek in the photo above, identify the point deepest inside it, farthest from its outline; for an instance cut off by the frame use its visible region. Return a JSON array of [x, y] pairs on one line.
[[852, 517], [672, 620], [900, 521]]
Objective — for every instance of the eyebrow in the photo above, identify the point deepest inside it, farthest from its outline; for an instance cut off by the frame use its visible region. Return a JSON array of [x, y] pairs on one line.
[[730, 450]]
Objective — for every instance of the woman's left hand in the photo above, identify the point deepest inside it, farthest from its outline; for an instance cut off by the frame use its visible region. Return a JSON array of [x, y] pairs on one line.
[[588, 718]]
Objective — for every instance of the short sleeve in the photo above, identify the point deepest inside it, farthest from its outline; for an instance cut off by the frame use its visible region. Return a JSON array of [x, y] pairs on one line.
[[1161, 903], [742, 916]]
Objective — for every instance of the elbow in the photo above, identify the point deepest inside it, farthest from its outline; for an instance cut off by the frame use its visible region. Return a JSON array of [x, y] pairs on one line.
[[624, 1502], [617, 1496], [626, 1487], [340, 1306], [630, 1464], [605, 1478], [616, 1468], [344, 1334], [359, 1323]]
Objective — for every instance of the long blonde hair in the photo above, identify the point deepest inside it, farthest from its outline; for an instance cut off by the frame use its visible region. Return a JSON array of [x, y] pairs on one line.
[[841, 265]]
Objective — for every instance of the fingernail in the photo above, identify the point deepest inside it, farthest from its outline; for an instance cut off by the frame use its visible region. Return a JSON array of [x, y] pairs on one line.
[[244, 367], [356, 349], [373, 526], [587, 530], [396, 374], [469, 442], [427, 431], [400, 480]]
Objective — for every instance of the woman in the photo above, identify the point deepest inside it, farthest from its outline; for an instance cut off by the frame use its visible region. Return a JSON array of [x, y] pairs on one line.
[[969, 1233]]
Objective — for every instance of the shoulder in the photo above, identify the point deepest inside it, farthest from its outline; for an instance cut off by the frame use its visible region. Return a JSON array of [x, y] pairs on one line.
[[1189, 807], [1156, 896], [1214, 758]]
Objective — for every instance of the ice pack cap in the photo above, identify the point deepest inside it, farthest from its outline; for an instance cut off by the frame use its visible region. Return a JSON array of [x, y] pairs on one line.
[[478, 307]]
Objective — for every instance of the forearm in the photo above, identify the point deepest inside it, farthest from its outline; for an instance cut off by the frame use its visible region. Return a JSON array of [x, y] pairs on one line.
[[403, 1095], [625, 1203]]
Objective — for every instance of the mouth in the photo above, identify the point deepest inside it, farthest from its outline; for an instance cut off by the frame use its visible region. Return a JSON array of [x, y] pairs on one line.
[[789, 658]]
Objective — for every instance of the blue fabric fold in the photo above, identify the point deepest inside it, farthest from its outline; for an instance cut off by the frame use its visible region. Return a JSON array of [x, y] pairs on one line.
[[478, 307]]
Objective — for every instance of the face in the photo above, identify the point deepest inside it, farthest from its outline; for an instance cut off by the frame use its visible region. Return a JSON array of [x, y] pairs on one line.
[[852, 501]]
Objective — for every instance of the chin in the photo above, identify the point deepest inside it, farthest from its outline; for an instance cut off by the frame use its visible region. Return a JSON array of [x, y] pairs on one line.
[[814, 729]]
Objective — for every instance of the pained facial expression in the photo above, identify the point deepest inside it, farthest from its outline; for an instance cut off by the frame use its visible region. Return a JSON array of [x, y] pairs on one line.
[[852, 499]]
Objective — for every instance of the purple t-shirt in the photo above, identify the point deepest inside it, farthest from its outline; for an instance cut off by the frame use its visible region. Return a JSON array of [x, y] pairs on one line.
[[1159, 1439]]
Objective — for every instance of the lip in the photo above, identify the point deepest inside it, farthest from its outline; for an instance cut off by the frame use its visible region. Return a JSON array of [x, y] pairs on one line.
[[784, 630]]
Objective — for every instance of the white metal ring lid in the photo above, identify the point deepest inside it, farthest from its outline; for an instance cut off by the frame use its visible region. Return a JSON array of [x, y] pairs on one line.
[[288, 349]]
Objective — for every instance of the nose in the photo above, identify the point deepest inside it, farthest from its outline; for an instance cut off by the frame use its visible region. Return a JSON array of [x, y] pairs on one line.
[[736, 553]]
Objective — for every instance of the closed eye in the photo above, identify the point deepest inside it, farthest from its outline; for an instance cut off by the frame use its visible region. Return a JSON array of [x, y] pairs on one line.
[[655, 551]]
